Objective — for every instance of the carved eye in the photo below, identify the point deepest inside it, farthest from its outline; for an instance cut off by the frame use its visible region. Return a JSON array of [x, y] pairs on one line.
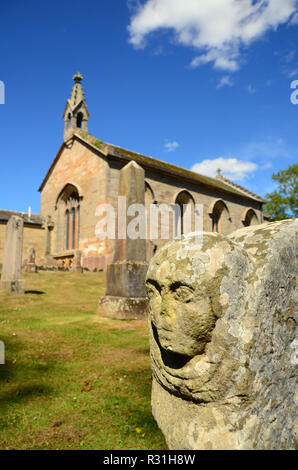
[[152, 289], [181, 292]]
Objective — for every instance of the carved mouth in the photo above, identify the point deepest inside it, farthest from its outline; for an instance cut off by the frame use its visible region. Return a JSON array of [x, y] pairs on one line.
[[170, 359]]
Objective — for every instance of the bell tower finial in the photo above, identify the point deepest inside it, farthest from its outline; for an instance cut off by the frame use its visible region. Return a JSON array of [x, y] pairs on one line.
[[76, 113], [78, 77]]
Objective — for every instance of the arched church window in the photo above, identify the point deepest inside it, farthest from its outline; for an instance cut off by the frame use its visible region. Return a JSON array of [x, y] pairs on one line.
[[69, 227], [67, 230], [219, 212], [250, 218], [185, 204], [78, 225], [73, 228]]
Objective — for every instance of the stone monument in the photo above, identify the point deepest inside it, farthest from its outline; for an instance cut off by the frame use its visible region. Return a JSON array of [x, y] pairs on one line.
[[77, 263], [31, 262], [222, 316], [48, 226], [125, 290], [12, 258]]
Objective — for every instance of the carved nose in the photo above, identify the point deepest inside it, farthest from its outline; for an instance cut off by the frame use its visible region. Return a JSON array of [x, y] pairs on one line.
[[165, 310], [164, 318]]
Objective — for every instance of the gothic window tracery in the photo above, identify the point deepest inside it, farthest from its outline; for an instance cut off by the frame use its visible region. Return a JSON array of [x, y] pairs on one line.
[[69, 204]]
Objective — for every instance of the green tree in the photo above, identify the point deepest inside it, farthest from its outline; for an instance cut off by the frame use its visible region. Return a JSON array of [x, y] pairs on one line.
[[283, 202]]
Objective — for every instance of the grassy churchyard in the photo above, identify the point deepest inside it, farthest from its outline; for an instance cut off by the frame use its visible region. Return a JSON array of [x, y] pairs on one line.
[[72, 380]]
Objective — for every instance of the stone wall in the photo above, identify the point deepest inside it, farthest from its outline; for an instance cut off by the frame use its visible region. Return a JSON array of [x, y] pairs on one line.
[[96, 177], [165, 189], [34, 237], [85, 170], [223, 339]]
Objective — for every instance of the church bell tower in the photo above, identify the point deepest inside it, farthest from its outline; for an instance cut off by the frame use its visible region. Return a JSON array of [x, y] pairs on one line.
[[76, 113]]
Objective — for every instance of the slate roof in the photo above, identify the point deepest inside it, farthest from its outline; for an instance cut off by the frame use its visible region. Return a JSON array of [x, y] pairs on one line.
[[121, 154], [35, 219]]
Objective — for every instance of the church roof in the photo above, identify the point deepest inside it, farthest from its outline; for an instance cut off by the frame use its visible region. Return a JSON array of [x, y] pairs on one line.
[[237, 186], [34, 219], [121, 154]]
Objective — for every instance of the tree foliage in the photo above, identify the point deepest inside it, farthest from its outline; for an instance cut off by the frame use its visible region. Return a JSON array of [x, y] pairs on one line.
[[283, 202]]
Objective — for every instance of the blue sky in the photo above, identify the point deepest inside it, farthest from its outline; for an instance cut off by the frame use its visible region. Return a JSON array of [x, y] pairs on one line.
[[199, 84]]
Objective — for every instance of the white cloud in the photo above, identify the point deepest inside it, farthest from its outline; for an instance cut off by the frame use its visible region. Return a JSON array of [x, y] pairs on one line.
[[266, 150], [251, 89], [290, 56], [225, 81], [266, 165], [218, 29], [171, 146], [294, 19], [232, 168], [293, 73]]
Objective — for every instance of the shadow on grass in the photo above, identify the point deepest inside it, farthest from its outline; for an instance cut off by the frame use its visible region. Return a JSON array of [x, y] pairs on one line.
[[23, 392], [7, 370], [139, 413], [19, 378], [143, 350], [35, 292]]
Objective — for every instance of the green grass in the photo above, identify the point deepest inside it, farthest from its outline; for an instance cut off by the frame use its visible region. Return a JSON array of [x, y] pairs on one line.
[[72, 379]]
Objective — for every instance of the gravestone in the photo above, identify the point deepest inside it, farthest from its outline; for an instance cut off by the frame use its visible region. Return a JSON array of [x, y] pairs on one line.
[[31, 262], [77, 262], [222, 317], [48, 226], [125, 280], [12, 257]]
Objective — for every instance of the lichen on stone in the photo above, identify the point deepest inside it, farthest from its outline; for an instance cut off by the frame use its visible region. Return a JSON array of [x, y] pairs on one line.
[[222, 321]]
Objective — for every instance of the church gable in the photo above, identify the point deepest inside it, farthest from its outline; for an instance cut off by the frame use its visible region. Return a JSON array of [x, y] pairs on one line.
[[75, 164], [70, 195], [86, 173]]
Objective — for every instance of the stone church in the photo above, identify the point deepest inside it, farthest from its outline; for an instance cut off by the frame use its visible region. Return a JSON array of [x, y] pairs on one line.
[[85, 173]]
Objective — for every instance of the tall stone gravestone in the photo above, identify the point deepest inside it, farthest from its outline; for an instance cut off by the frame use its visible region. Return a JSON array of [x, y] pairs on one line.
[[31, 266], [125, 289], [77, 262], [223, 316], [12, 258]]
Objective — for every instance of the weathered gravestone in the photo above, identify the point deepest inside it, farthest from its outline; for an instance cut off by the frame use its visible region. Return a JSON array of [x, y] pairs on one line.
[[31, 262], [12, 257], [223, 317], [77, 262], [125, 291]]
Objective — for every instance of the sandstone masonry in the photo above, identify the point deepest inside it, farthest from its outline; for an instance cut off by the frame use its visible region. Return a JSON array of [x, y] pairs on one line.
[[223, 339]]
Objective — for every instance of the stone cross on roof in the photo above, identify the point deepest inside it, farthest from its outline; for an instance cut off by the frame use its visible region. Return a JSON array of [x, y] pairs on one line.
[[76, 113], [77, 94], [78, 77]]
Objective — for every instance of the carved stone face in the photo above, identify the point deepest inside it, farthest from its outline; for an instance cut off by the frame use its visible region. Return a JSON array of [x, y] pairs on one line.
[[192, 283], [183, 286], [221, 329]]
